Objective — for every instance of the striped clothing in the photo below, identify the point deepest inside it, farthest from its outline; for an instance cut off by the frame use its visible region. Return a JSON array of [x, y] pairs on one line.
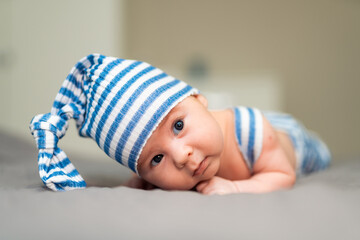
[[249, 133], [311, 152]]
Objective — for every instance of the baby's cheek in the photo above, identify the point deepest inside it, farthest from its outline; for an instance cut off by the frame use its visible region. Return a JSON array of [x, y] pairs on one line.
[[216, 139]]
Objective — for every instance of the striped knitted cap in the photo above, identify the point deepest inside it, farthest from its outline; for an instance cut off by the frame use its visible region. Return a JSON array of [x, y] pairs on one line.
[[117, 102]]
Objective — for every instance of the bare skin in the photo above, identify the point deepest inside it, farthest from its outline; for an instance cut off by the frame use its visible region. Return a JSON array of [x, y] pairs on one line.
[[194, 147], [274, 170]]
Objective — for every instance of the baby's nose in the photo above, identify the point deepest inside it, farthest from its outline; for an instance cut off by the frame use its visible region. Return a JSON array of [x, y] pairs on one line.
[[182, 156]]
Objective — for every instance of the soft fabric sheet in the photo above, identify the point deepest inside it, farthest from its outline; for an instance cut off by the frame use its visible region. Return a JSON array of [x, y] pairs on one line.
[[325, 205]]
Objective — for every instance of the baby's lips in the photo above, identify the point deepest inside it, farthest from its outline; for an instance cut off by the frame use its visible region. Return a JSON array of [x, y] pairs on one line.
[[201, 168]]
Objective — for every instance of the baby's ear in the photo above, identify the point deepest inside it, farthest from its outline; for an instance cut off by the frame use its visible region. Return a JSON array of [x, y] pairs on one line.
[[202, 99]]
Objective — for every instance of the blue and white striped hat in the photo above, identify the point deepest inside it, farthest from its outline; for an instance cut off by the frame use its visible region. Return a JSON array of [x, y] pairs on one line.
[[117, 102]]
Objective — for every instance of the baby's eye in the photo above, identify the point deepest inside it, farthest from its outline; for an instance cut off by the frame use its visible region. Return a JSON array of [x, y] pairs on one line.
[[156, 160], [178, 126]]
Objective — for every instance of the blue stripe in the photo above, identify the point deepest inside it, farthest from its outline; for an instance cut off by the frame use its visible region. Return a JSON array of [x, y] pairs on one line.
[[41, 141], [250, 150], [71, 174], [71, 184], [68, 183], [148, 128], [39, 126], [114, 100], [76, 110], [118, 95], [126, 108], [139, 113], [68, 93], [72, 79], [45, 117], [64, 163], [79, 66], [44, 155], [57, 104], [238, 125], [71, 95], [60, 124], [90, 58], [41, 130], [101, 78]]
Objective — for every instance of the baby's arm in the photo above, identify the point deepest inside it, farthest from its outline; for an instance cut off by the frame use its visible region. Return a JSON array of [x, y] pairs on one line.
[[272, 170]]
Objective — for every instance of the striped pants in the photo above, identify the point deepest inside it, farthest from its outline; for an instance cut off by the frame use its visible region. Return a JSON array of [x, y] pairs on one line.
[[312, 154]]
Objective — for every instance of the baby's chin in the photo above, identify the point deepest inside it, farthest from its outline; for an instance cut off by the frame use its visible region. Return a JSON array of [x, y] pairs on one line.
[[188, 183]]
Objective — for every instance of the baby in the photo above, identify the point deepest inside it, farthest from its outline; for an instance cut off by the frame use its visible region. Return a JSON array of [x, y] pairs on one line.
[[161, 129]]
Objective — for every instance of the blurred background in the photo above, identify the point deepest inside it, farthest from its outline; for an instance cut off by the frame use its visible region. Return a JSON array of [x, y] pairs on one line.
[[300, 57]]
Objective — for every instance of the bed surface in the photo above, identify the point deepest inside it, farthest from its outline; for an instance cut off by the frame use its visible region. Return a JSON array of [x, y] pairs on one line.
[[325, 205]]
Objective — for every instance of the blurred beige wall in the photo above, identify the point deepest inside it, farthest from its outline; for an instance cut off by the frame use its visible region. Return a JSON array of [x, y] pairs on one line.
[[298, 56], [41, 40], [311, 47]]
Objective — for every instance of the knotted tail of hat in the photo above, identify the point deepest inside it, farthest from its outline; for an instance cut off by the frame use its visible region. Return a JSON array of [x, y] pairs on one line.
[[55, 168]]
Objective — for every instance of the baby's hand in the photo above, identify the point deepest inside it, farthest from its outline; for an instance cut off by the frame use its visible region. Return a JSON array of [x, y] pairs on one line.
[[217, 185]]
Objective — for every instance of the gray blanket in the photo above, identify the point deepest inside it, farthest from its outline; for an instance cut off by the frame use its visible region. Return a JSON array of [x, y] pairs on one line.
[[325, 205]]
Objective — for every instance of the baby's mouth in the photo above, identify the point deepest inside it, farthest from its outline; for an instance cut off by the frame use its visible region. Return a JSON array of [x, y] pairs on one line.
[[201, 168]]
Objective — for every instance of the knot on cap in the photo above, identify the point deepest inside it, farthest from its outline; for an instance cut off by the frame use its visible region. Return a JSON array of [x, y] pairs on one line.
[[55, 169], [47, 129]]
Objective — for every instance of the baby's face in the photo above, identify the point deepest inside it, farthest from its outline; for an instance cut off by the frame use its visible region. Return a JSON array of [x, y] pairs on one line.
[[185, 148]]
